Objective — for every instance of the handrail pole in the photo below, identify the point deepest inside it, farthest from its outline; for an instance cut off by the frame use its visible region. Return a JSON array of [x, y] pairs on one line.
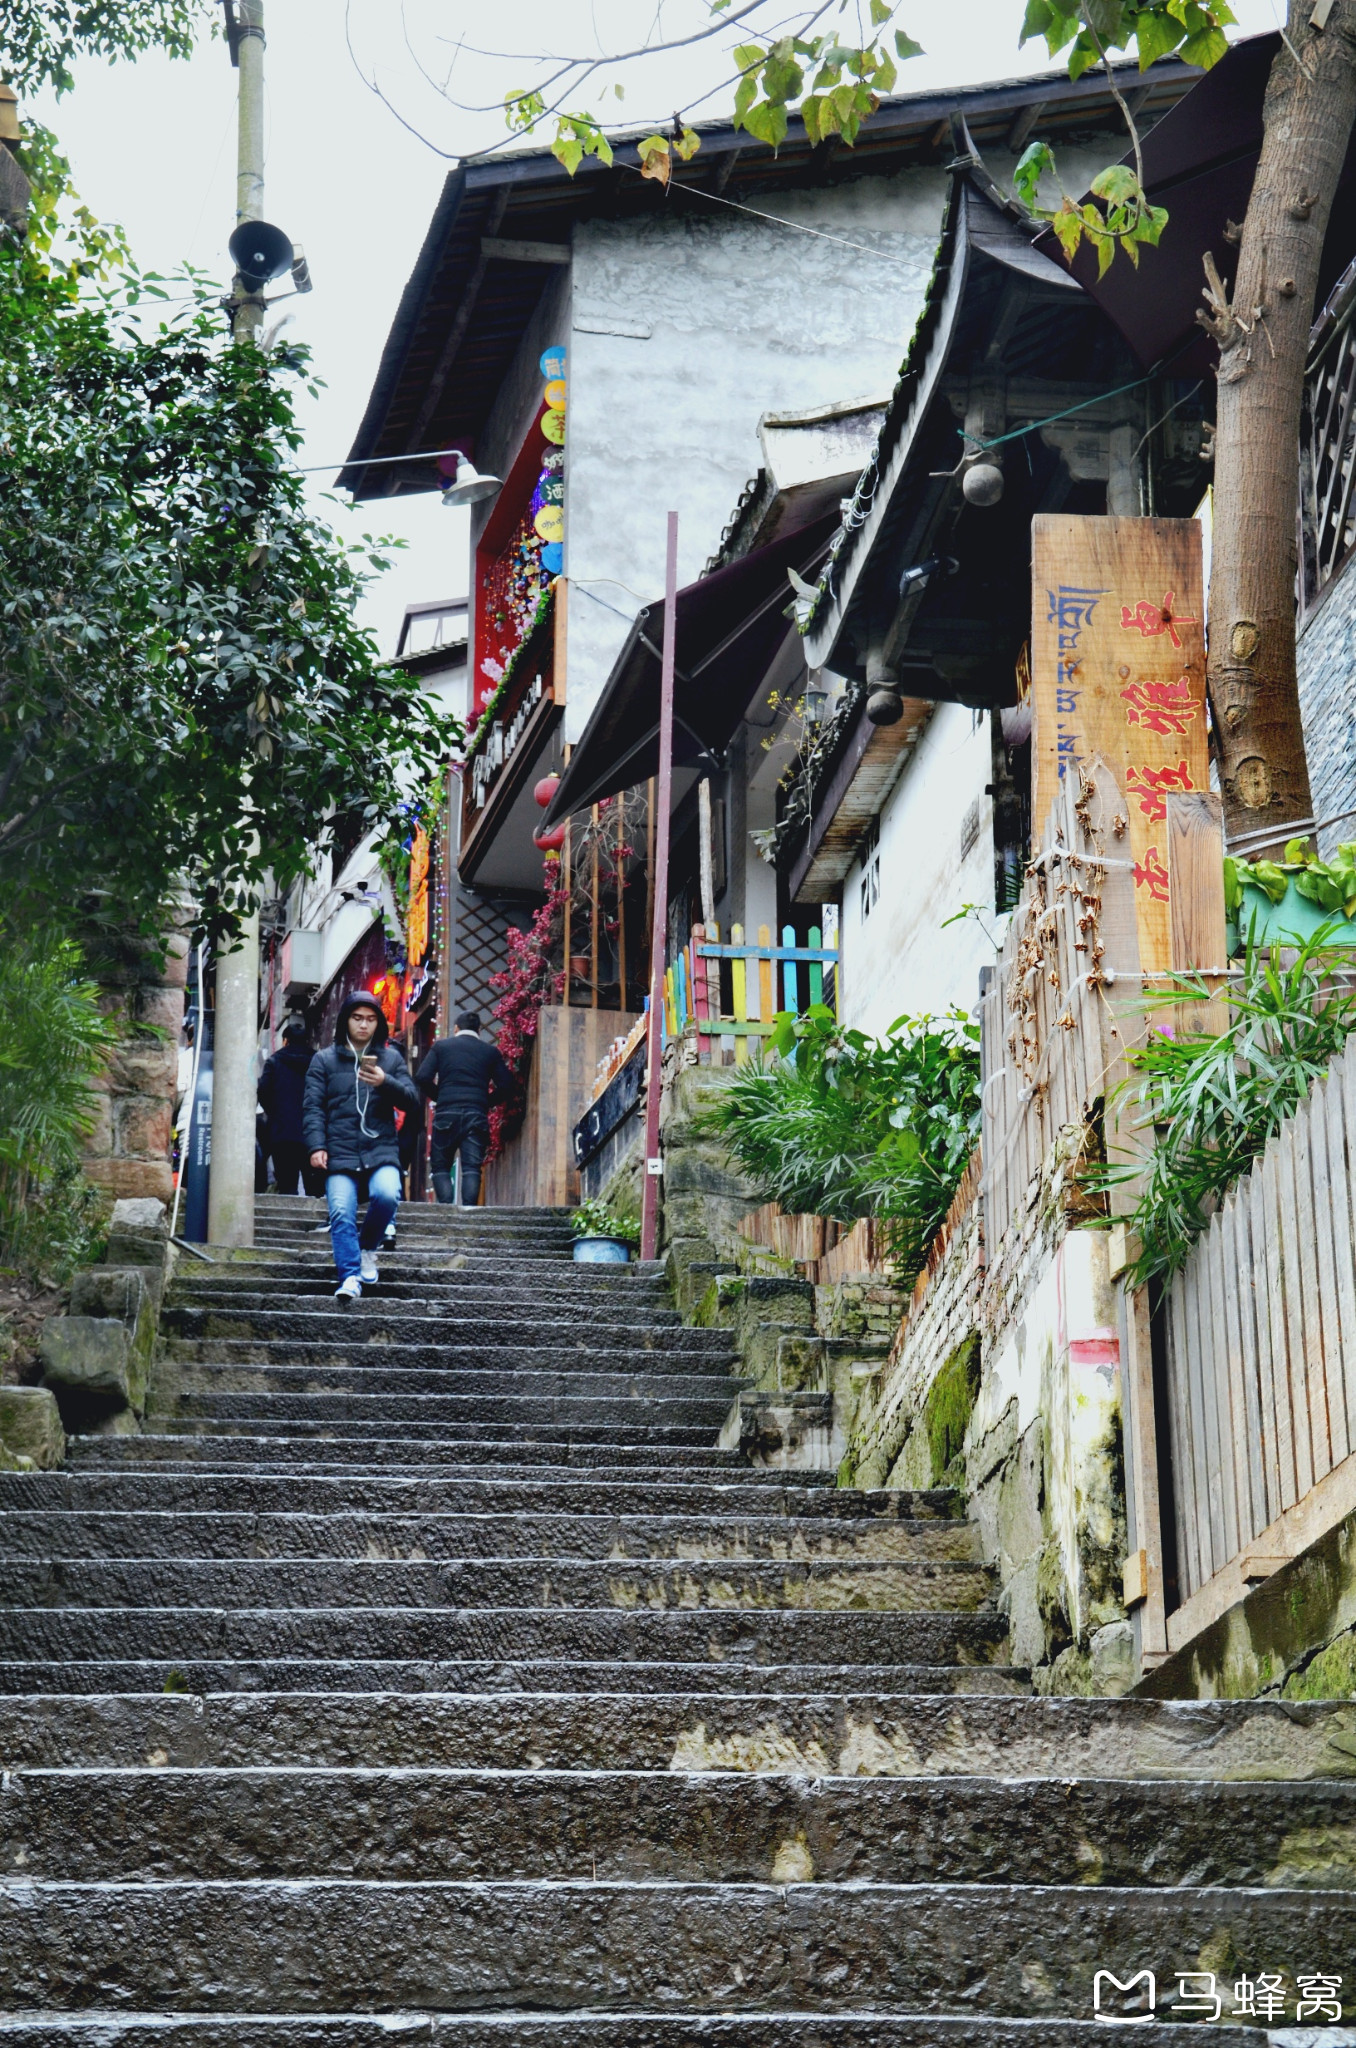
[[654, 1165]]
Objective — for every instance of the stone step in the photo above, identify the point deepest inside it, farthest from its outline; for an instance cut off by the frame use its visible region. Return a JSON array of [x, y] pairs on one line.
[[759, 1492], [364, 1347], [595, 1430], [261, 1288], [615, 1537], [372, 1320], [96, 1681], [321, 1945], [883, 1733], [160, 1822], [698, 1416], [819, 1585], [516, 1635], [591, 2030], [428, 1455], [398, 1380]]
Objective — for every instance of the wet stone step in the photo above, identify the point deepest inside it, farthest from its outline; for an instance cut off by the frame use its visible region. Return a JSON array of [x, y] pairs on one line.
[[729, 1494], [267, 1946], [830, 1585], [236, 1535], [622, 1396], [587, 2030], [506, 1433], [591, 1635], [879, 1733], [95, 1680], [281, 1448], [355, 1344], [161, 1822], [207, 1378], [394, 1324]]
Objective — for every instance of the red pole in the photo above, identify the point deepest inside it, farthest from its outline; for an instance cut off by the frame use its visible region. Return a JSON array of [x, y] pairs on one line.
[[659, 927]]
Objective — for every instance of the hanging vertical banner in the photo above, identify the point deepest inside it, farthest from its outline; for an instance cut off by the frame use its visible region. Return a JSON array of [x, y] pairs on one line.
[[195, 1145], [1118, 669]]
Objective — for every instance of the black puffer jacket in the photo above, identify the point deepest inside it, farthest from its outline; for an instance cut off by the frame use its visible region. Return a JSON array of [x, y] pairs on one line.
[[282, 1090], [356, 1124]]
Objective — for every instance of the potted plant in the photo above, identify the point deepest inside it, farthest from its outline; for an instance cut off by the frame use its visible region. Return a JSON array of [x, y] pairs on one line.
[[602, 1236], [1292, 899]]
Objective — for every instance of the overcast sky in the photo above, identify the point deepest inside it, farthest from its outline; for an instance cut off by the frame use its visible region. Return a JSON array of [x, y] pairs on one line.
[[153, 146]]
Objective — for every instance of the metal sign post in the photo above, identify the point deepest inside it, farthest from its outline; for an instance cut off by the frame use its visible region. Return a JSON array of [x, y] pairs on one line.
[[654, 1165]]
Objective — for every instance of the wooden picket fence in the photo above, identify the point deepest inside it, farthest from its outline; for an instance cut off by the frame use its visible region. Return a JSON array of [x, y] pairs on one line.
[[1259, 1331], [1054, 1018], [732, 993]]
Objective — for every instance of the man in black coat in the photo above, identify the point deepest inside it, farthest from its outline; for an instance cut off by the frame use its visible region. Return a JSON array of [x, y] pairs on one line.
[[458, 1073], [353, 1090], [282, 1090]]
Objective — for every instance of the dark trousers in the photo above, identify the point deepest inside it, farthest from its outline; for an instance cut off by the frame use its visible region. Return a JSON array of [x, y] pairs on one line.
[[292, 1164], [468, 1134]]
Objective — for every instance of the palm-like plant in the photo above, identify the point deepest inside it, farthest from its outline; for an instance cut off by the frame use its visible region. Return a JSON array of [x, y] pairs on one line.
[[54, 1041]]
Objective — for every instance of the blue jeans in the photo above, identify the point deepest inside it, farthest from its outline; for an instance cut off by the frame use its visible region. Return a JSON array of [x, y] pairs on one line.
[[341, 1196]]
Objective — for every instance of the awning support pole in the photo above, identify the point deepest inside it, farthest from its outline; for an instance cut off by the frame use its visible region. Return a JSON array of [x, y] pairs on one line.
[[654, 1165]]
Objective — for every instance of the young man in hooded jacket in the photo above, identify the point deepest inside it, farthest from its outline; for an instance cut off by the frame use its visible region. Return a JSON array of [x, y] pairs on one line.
[[353, 1090]]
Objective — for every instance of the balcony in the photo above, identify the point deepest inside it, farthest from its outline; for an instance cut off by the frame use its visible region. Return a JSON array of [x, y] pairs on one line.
[[514, 743]]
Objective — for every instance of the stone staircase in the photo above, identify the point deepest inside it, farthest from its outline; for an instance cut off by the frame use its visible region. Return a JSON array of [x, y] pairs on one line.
[[423, 1674]]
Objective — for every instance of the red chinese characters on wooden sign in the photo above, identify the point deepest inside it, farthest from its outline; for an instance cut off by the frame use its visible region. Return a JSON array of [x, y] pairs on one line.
[[1118, 670]]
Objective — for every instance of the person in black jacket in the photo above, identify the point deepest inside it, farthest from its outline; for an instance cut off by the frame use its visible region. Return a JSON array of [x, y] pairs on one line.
[[282, 1090], [458, 1073], [353, 1090]]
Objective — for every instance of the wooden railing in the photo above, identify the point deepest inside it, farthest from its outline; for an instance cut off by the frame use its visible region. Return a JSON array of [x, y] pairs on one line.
[[759, 979], [1259, 1338]]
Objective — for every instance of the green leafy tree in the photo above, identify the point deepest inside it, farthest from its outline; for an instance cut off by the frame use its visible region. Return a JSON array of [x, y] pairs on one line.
[[184, 694], [40, 39]]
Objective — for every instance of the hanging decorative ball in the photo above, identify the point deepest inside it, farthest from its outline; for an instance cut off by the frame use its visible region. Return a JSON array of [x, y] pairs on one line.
[[550, 842], [982, 484], [546, 789]]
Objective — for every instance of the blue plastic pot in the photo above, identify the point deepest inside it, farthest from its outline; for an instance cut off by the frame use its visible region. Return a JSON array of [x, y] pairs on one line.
[[601, 1251]]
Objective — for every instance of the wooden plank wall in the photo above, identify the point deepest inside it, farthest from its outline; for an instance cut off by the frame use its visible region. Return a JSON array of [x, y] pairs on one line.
[[1052, 1031], [536, 1168], [1261, 1360]]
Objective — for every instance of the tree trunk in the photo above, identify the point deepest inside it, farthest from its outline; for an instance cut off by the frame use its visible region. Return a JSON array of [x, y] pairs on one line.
[[1263, 337]]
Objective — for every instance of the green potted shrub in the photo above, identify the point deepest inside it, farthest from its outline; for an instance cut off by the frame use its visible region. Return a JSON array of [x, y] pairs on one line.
[[603, 1236], [1292, 899]]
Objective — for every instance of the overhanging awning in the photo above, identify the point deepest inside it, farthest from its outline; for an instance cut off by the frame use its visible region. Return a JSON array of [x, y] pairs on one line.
[[730, 626]]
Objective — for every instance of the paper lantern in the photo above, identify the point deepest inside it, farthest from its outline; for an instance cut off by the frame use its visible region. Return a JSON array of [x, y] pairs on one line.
[[550, 842], [546, 789]]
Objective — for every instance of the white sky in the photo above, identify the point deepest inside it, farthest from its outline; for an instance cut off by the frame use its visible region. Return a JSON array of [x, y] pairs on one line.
[[153, 146]]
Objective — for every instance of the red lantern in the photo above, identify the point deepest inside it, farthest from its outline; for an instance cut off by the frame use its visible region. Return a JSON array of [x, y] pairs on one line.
[[550, 842], [546, 789]]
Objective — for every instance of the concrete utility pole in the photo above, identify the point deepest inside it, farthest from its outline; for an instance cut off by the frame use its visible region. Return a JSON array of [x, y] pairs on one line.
[[230, 1202]]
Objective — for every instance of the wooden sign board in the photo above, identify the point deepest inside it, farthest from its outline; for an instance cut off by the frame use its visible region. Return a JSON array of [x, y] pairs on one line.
[[1118, 669]]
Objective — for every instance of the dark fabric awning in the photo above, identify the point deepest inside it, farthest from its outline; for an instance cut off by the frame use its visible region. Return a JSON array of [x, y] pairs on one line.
[[1199, 162], [730, 625]]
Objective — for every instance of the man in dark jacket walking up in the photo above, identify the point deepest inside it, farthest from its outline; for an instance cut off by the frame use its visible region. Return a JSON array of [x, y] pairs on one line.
[[458, 1073], [282, 1090], [353, 1090]]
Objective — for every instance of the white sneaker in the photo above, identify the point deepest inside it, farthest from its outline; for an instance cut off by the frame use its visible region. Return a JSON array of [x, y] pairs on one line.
[[369, 1265], [349, 1290]]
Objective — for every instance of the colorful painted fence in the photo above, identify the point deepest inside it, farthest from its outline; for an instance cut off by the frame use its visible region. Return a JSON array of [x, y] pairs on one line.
[[733, 993]]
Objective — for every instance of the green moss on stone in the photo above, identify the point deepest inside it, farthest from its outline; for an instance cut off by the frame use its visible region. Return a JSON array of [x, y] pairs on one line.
[[1331, 1675], [947, 1411]]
